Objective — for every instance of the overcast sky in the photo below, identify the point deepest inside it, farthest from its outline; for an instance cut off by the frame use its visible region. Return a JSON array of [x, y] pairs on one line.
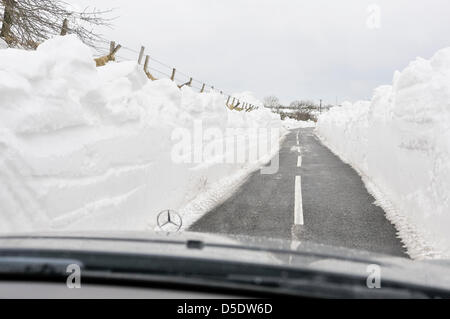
[[294, 49]]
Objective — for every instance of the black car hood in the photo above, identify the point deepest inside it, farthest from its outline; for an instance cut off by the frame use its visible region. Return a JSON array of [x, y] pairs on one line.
[[304, 255]]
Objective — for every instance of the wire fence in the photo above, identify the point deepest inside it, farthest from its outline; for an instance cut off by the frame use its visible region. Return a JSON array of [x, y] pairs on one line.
[[155, 69]]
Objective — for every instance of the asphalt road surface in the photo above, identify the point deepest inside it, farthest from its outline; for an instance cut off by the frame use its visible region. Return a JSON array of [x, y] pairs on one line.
[[313, 197]]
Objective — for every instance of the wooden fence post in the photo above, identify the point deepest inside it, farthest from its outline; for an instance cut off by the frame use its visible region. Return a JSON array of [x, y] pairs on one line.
[[147, 59], [115, 49], [141, 55], [173, 74], [149, 75], [109, 57], [187, 83], [203, 88], [65, 27]]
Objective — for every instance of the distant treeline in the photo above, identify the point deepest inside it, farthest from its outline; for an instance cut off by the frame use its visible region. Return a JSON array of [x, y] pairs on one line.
[[301, 110]]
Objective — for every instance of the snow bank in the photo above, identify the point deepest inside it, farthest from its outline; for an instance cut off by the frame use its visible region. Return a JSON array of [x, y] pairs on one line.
[[86, 148], [400, 143]]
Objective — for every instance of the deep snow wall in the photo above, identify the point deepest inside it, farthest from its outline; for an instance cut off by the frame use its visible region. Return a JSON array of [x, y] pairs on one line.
[[400, 143], [86, 148]]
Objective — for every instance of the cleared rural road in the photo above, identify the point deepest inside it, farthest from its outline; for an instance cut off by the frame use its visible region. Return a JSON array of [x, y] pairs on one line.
[[314, 197]]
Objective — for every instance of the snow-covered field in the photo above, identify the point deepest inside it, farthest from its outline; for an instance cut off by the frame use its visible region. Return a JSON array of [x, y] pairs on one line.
[[86, 148], [294, 124], [400, 143]]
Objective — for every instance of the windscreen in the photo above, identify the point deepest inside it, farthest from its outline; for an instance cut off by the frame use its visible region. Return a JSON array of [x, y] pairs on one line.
[[322, 122]]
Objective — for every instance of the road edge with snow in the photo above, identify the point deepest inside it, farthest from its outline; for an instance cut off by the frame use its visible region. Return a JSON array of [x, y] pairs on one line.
[[416, 247]]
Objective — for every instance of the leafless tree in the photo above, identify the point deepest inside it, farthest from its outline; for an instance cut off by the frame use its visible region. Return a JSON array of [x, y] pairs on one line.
[[271, 102], [296, 105], [304, 105], [26, 23]]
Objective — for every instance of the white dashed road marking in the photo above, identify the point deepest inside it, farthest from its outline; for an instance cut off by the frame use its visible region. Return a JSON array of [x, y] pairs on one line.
[[298, 210], [299, 161]]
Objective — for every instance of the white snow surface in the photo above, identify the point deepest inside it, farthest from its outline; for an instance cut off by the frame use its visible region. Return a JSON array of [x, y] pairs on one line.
[[3, 44], [400, 144], [294, 124], [86, 148]]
